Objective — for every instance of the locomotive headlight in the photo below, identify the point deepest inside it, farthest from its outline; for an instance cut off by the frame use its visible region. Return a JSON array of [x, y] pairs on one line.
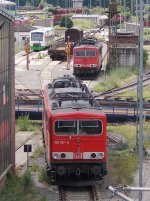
[[93, 65], [55, 156], [100, 155], [63, 155], [93, 155], [77, 65]]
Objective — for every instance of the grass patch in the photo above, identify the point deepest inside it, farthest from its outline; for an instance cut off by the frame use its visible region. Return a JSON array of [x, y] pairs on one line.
[[23, 123], [38, 152], [34, 167], [40, 56], [128, 131], [42, 175], [116, 78], [83, 24], [133, 93], [19, 189], [122, 167]]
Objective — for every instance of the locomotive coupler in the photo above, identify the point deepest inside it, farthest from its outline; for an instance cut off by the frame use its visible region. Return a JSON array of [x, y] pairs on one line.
[[78, 172]]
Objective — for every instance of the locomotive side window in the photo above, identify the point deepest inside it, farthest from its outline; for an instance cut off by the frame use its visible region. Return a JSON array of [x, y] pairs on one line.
[[90, 127], [65, 127], [90, 53], [80, 53]]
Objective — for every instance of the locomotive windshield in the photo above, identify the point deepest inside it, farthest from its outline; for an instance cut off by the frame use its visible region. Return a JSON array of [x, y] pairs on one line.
[[85, 53], [78, 127], [37, 36]]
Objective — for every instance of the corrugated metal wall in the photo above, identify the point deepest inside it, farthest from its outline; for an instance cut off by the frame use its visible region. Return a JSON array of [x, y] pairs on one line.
[[7, 117]]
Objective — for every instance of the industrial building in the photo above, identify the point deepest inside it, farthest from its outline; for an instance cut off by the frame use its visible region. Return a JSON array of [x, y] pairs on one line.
[[7, 95]]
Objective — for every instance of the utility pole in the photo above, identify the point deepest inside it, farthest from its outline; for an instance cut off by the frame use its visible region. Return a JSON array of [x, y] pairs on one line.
[[141, 101], [27, 50], [124, 10], [131, 14], [90, 15], [65, 14]]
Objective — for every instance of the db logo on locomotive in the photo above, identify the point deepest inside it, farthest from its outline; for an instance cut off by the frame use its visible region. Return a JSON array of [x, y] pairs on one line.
[[77, 155]]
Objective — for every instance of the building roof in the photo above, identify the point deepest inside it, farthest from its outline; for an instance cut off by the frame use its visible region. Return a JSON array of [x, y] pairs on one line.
[[7, 3], [6, 13], [24, 28]]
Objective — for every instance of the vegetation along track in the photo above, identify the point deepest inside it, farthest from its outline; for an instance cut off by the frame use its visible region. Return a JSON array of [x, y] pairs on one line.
[[115, 91], [78, 193]]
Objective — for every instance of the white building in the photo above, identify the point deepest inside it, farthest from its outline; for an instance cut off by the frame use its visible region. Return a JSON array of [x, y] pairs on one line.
[[77, 3], [5, 3]]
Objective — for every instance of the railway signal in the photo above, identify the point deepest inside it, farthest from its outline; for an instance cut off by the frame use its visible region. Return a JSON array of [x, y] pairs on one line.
[[68, 55], [27, 50], [27, 149]]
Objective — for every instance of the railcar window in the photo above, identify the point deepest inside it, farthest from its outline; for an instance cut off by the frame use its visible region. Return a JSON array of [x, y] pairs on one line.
[[90, 53], [37, 37], [90, 127], [66, 127], [80, 53]]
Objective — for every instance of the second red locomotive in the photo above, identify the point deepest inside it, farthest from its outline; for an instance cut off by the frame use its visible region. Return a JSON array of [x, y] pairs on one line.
[[87, 57], [74, 133]]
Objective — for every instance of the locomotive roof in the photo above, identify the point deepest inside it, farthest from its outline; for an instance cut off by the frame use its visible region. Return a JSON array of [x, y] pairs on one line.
[[71, 95], [89, 42]]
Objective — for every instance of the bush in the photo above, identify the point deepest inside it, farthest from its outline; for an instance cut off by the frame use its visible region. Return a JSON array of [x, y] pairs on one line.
[[145, 57], [19, 189], [27, 181], [66, 21], [122, 167], [23, 123]]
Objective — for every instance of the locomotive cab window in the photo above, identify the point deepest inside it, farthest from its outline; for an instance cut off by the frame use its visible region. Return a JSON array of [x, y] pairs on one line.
[[78, 127], [90, 127], [80, 53], [37, 36], [90, 53], [65, 127]]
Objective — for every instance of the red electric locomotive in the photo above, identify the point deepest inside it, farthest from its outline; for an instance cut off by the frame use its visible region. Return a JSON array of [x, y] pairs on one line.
[[87, 57], [74, 133]]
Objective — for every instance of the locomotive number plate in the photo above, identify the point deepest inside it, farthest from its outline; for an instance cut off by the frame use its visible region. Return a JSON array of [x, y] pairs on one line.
[[77, 155]]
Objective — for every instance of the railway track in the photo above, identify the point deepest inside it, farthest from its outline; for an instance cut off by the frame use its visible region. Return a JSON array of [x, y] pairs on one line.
[[114, 91], [78, 193], [22, 57]]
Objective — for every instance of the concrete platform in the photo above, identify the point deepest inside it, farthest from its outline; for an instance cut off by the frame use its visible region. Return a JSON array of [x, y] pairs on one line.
[[26, 137], [21, 137]]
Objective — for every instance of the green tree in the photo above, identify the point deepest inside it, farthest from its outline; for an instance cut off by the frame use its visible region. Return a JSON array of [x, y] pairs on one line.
[[145, 57], [66, 22]]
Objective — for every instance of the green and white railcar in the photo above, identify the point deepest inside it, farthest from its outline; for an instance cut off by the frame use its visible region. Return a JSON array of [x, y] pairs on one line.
[[42, 38]]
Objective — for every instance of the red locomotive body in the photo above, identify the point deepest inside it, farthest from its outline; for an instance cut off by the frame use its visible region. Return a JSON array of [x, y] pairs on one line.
[[74, 133], [87, 57]]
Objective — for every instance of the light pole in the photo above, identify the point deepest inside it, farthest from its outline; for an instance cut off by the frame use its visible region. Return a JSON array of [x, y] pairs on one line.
[[141, 101]]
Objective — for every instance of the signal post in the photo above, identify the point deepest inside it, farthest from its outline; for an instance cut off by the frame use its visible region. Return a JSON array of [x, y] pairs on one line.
[[27, 50], [68, 54]]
